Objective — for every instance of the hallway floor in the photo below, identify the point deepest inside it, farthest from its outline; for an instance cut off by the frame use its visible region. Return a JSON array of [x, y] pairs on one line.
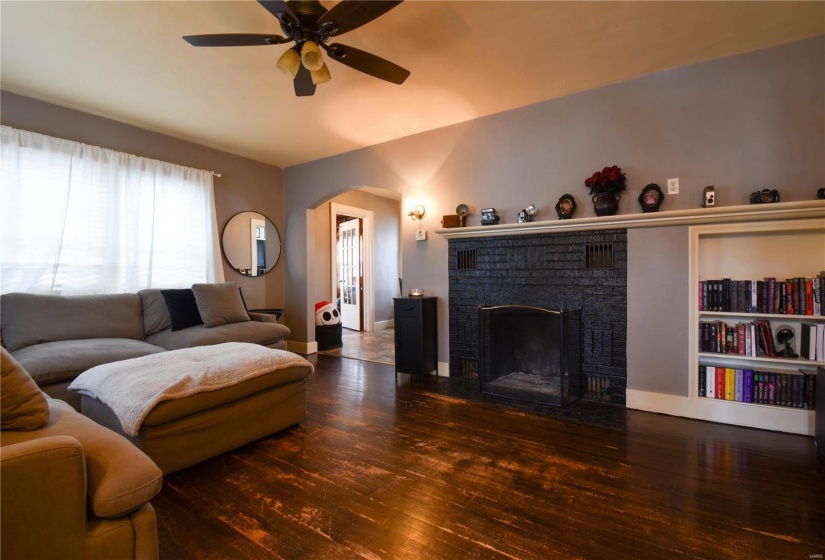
[[377, 346]]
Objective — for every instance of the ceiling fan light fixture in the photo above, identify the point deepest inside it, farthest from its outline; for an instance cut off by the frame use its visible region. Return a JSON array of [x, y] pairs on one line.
[[311, 56], [321, 75], [289, 63], [310, 26]]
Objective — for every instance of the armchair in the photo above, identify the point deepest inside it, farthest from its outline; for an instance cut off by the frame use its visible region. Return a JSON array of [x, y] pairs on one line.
[[69, 488]]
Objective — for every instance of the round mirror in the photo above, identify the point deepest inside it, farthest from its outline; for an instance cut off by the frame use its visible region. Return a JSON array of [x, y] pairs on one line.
[[251, 243]]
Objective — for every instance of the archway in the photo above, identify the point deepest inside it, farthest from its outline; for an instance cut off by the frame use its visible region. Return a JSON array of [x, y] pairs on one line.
[[380, 210]]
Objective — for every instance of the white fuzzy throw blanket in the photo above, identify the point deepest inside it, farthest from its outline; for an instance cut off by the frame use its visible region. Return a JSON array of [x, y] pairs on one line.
[[132, 388]]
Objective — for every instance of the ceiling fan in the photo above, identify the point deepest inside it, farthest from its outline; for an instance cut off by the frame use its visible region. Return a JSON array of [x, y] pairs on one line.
[[310, 26]]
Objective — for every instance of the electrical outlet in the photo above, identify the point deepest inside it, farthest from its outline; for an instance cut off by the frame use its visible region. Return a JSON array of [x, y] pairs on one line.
[[421, 235], [673, 186]]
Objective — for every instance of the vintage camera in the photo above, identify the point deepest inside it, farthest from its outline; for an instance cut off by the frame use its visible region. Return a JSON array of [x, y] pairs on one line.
[[488, 216], [709, 197], [765, 196]]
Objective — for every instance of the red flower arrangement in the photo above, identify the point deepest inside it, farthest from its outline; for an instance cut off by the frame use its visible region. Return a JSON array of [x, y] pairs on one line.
[[608, 180]]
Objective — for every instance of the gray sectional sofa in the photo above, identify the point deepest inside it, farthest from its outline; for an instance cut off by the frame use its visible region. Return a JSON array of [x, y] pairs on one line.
[[56, 338]]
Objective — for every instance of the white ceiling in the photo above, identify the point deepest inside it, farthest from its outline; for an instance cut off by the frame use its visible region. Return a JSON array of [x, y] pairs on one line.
[[126, 60]]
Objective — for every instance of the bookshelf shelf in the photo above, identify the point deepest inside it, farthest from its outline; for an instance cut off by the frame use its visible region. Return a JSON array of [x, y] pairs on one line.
[[750, 251], [707, 357], [768, 408], [770, 316]]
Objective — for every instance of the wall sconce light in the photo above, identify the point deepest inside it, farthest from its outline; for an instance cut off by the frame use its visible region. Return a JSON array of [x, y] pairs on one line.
[[417, 213]]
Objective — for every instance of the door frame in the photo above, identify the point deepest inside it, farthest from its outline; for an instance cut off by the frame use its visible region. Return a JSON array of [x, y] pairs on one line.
[[368, 220]]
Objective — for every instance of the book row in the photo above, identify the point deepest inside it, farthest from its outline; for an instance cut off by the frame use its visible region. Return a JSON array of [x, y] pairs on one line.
[[794, 296], [754, 338], [794, 390]]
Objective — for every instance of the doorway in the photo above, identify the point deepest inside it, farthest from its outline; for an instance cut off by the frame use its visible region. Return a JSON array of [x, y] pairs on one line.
[[351, 271], [350, 285]]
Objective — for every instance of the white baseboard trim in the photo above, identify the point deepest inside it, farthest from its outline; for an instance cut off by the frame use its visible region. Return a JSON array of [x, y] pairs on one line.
[[383, 325], [777, 418], [443, 369], [305, 348]]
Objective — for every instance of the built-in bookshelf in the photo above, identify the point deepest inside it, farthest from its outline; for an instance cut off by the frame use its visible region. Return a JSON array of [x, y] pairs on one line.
[[748, 252]]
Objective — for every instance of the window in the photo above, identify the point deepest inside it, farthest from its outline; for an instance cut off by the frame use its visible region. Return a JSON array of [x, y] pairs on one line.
[[79, 219]]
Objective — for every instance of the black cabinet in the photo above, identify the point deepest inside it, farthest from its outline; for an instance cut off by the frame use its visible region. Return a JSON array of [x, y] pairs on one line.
[[416, 335]]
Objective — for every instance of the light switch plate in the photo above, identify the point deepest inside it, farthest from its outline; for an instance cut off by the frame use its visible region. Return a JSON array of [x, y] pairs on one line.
[[421, 235]]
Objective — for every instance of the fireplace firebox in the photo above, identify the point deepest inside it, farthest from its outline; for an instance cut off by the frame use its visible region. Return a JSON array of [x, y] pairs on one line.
[[530, 354]]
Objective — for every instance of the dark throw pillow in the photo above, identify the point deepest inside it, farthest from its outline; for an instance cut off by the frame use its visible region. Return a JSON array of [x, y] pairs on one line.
[[183, 309]]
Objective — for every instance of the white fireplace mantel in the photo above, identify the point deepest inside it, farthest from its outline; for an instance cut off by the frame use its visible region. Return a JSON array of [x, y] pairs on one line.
[[722, 214]]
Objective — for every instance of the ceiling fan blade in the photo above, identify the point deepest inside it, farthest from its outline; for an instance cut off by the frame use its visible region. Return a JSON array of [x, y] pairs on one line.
[[368, 63], [280, 10], [233, 40], [351, 14], [303, 83]]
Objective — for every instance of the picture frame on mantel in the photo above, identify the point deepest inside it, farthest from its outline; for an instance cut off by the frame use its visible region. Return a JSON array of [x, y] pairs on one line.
[[566, 207], [651, 198]]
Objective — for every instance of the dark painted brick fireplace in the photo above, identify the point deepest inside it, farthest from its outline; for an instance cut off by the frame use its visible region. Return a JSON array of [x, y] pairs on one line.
[[560, 271]]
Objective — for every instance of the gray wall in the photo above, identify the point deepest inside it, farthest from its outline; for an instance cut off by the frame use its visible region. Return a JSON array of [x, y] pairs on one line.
[[740, 123], [657, 309], [386, 249], [245, 184]]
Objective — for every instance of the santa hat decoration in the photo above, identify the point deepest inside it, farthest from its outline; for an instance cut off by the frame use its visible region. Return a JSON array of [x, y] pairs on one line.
[[326, 314]]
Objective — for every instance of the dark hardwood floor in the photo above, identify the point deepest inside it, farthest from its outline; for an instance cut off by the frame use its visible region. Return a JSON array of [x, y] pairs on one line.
[[380, 470]]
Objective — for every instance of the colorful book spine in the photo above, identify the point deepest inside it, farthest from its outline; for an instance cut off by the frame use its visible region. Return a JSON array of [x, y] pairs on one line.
[[809, 298], [738, 388], [747, 389], [759, 387], [770, 292], [710, 381], [796, 394], [788, 298], [730, 384], [754, 299]]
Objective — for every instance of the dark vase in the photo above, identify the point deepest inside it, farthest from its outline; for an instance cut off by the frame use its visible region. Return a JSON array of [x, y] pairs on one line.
[[606, 204]]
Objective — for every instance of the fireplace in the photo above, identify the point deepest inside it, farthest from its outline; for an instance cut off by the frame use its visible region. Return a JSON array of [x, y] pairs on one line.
[[582, 270], [530, 354]]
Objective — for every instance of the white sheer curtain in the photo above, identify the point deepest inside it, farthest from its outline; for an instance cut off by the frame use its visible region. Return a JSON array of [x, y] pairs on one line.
[[79, 219]]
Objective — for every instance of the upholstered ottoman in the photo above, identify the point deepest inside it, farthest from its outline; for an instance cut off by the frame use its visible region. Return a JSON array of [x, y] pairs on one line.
[[184, 406]]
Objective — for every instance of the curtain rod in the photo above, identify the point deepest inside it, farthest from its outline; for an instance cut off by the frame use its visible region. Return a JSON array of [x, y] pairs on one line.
[[216, 174]]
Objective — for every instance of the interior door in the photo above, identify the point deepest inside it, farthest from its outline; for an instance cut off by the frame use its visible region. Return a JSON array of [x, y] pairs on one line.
[[257, 236], [350, 273]]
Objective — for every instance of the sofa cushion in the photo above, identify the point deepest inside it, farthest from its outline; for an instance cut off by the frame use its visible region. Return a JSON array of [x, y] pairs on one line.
[[52, 362], [183, 309], [22, 405], [171, 410], [30, 319], [121, 477], [220, 304], [155, 313], [251, 331]]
